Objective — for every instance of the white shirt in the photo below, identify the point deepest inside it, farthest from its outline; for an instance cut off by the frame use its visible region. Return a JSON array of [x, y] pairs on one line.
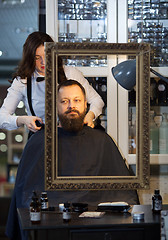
[[18, 92]]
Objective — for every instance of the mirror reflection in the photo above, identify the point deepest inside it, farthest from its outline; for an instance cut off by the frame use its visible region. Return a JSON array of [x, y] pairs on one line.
[[79, 152]]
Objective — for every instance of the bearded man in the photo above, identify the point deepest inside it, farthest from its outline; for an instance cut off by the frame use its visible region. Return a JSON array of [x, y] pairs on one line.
[[83, 151]]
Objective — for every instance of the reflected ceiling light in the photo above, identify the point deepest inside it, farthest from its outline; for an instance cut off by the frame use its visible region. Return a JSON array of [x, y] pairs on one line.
[[12, 2], [2, 136], [125, 74], [20, 105], [3, 148], [18, 138]]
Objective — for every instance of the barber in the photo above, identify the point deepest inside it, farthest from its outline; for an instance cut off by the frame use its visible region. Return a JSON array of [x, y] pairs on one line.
[[31, 67]]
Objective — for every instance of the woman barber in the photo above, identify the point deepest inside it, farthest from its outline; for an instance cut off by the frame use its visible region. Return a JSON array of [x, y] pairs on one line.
[[31, 67]]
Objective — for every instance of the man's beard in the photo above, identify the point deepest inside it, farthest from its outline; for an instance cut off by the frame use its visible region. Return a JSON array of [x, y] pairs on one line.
[[72, 123]]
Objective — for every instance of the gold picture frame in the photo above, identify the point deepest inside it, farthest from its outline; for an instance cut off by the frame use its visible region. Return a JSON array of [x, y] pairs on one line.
[[142, 55]]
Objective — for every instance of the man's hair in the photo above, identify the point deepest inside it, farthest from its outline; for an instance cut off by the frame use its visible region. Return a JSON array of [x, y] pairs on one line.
[[71, 83]]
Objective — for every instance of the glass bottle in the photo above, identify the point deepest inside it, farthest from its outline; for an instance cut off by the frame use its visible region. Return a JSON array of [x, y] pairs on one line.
[[44, 201], [66, 212], [154, 135], [156, 201], [34, 195], [163, 135], [35, 210]]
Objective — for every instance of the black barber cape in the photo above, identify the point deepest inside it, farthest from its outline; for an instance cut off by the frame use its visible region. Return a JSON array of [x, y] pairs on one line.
[[88, 152]]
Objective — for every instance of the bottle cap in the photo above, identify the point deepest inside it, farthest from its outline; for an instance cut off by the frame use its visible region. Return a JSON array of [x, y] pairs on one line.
[[157, 191], [61, 207], [138, 215], [34, 196], [67, 204], [44, 194]]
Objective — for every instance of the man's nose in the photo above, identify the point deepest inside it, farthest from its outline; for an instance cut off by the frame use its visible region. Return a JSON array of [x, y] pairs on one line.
[[71, 104]]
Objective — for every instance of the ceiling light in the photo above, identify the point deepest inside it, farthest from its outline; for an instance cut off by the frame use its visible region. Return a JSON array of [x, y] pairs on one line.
[[12, 2]]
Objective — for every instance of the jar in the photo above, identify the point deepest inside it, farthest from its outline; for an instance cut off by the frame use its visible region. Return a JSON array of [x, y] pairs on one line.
[[66, 212], [44, 201], [156, 202]]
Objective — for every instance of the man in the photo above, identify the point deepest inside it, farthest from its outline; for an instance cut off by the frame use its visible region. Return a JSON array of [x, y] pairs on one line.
[[86, 151], [81, 151]]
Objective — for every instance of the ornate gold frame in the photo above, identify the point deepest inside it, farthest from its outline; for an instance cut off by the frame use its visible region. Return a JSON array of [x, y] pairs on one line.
[[142, 54]]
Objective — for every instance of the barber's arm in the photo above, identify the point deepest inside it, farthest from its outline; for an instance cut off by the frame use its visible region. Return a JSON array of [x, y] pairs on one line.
[[89, 119]]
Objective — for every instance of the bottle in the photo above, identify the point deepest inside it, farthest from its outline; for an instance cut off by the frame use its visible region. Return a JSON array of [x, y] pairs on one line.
[[66, 212], [44, 201], [34, 195], [163, 135], [154, 135], [35, 210], [156, 202]]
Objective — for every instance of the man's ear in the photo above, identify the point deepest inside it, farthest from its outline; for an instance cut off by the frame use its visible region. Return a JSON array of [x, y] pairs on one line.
[[85, 105]]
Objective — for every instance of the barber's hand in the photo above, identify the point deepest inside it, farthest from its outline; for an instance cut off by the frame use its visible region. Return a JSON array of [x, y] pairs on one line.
[[30, 122], [89, 119]]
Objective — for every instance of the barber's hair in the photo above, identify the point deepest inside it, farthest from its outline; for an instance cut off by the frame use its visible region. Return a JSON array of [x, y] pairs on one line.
[[27, 64], [60, 72], [71, 82]]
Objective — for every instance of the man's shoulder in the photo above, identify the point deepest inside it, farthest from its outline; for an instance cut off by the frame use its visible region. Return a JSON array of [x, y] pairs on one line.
[[99, 134], [96, 132]]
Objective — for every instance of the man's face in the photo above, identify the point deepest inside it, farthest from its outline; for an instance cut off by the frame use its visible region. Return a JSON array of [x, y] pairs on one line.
[[71, 107]]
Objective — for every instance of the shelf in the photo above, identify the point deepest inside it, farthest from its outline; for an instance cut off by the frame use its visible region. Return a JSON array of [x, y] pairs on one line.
[[155, 159], [17, 146]]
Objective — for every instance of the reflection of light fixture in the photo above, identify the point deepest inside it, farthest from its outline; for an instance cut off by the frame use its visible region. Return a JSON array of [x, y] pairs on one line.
[[3, 53], [3, 148], [13, 1], [125, 74], [18, 138], [20, 105], [2, 136]]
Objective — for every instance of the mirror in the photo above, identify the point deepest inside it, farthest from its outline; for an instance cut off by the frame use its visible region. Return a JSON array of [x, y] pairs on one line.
[[141, 53]]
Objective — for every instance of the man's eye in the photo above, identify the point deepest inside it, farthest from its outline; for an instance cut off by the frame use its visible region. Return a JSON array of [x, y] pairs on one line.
[[64, 101], [77, 100]]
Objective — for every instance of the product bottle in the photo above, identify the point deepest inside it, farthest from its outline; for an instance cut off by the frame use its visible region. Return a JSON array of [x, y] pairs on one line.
[[44, 201], [35, 210], [156, 202], [66, 212], [163, 135], [34, 195], [154, 135]]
